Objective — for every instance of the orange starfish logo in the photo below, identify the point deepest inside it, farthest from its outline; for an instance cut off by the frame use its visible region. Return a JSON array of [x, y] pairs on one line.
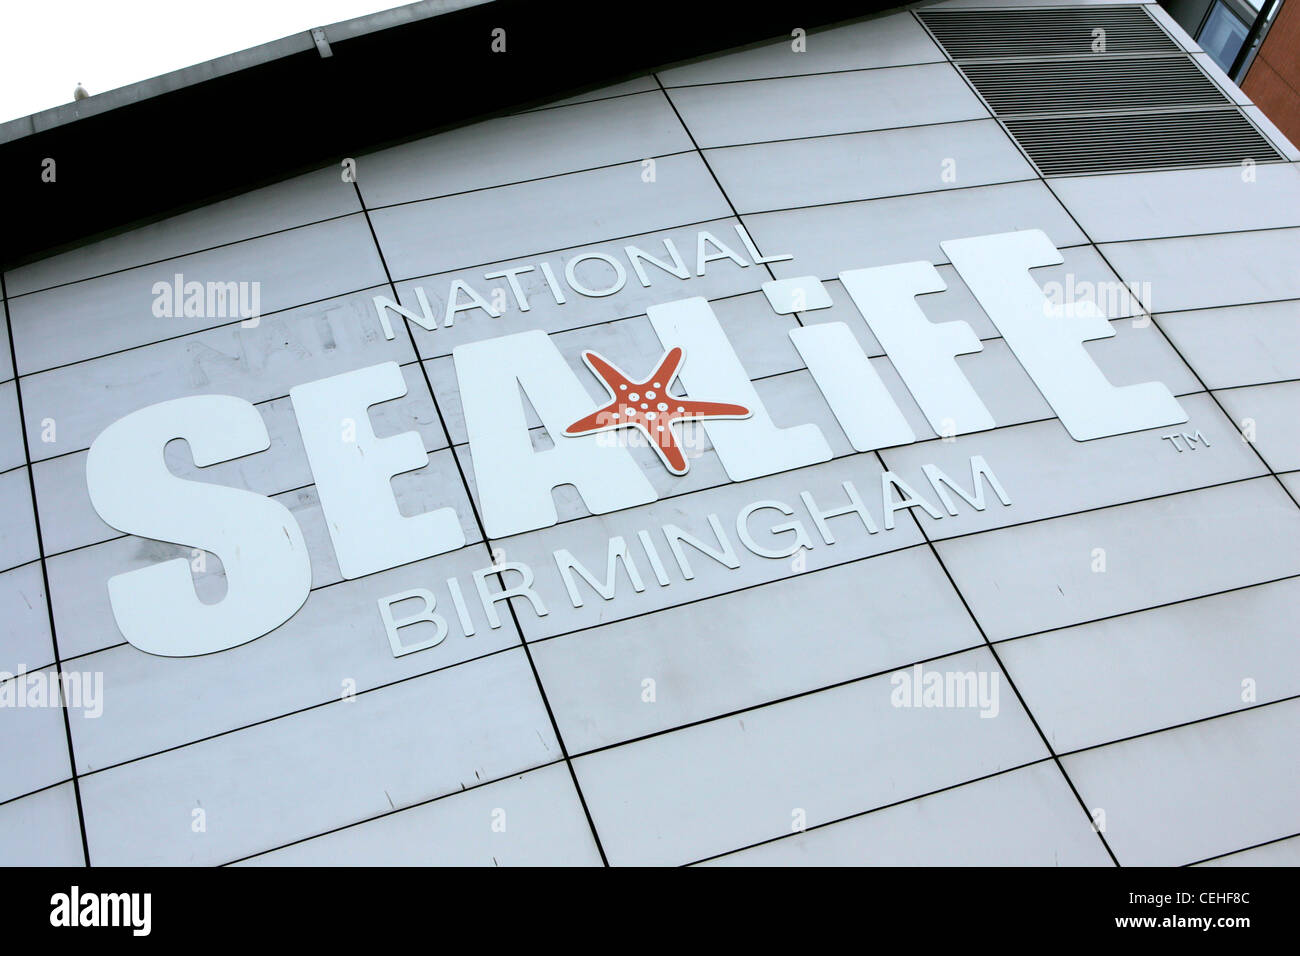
[[647, 406]]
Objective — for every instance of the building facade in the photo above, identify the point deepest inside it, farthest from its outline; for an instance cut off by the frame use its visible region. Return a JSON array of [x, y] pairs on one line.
[[342, 517]]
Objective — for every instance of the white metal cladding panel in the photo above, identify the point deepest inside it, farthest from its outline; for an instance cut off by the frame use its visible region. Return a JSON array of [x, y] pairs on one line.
[[543, 825], [26, 619], [772, 725], [11, 432], [311, 198], [1207, 271], [1266, 341], [1280, 853], [757, 178], [42, 829], [6, 358], [758, 111], [1269, 411], [1156, 205], [17, 524], [1026, 818], [33, 747], [114, 312], [1163, 666], [531, 145], [1223, 770]]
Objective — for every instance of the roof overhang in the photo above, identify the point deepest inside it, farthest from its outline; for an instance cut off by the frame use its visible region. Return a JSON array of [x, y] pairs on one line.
[[209, 131]]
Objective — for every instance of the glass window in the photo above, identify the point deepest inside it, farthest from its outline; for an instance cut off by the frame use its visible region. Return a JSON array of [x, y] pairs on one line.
[[1222, 35]]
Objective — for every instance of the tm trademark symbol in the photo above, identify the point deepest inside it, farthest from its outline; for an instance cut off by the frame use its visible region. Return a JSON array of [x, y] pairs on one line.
[[1191, 440]]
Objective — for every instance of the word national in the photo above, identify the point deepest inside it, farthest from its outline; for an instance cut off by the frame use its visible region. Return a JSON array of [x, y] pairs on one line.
[[580, 277]]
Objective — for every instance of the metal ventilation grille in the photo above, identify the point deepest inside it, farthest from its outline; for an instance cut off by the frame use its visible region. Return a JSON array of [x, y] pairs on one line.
[[1068, 31], [1067, 146], [1068, 86], [1078, 105]]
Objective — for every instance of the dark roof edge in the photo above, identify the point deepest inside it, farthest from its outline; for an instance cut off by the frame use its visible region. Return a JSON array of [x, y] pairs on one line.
[[196, 135]]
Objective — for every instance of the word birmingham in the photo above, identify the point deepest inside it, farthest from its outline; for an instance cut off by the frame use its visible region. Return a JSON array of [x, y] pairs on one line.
[[268, 571], [661, 551]]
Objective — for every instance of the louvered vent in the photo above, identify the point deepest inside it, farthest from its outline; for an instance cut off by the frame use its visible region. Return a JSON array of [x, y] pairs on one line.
[[1067, 146], [1069, 86], [1064, 31], [1096, 89]]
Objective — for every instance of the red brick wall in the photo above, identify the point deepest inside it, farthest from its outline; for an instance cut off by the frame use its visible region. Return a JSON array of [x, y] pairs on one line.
[[1273, 81]]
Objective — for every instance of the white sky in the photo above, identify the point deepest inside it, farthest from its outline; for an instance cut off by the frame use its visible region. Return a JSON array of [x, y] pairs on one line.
[[48, 46]]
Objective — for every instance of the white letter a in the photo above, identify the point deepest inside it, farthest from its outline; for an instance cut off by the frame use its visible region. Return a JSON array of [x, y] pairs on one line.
[[514, 481]]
